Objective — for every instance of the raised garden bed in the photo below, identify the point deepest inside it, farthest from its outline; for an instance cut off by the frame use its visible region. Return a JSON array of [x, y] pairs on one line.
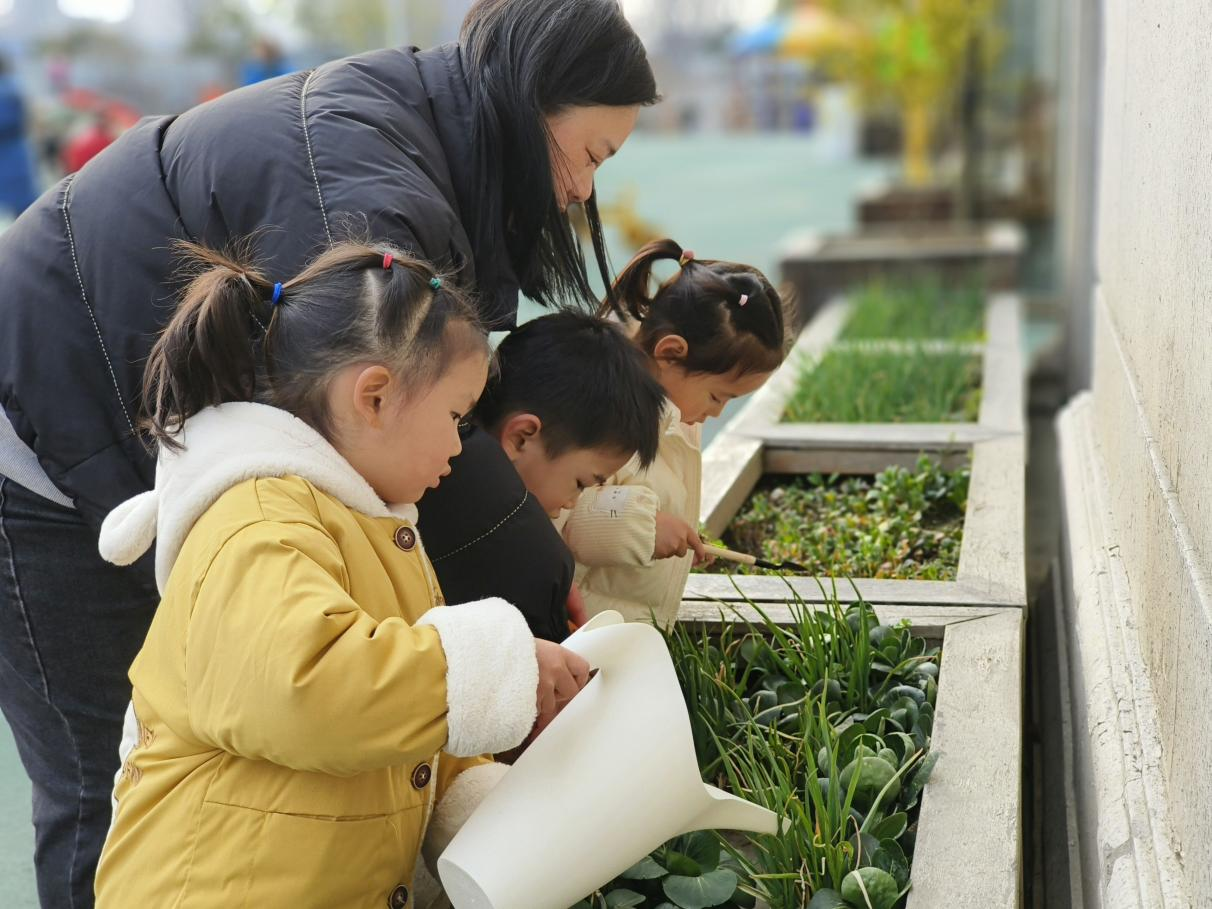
[[756, 444], [967, 847], [902, 523], [847, 446], [828, 723], [900, 204], [821, 266], [990, 570]]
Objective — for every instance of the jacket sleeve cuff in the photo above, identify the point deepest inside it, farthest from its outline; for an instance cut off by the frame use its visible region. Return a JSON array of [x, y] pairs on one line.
[[461, 798], [613, 526], [492, 675]]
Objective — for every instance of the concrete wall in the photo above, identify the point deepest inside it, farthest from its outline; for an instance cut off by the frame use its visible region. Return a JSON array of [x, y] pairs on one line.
[[1078, 121], [1149, 434]]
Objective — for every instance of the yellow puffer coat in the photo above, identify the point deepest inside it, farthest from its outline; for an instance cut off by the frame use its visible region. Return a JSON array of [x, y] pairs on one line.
[[299, 684]]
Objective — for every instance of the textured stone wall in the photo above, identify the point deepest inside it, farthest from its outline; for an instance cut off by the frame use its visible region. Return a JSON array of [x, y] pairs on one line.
[[1152, 388]]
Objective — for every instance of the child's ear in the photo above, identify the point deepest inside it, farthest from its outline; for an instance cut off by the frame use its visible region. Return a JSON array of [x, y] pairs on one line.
[[369, 393], [517, 432], [671, 348]]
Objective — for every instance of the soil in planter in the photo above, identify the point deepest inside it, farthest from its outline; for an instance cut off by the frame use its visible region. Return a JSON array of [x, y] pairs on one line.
[[860, 385], [904, 524], [916, 310]]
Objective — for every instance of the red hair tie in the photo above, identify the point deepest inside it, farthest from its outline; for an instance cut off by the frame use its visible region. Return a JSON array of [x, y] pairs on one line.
[[387, 260], [687, 256]]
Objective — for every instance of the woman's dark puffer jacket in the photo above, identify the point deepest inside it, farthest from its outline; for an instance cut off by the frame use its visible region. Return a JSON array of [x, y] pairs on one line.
[[377, 143]]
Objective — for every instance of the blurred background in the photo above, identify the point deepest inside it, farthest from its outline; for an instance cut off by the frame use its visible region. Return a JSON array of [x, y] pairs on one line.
[[780, 116]]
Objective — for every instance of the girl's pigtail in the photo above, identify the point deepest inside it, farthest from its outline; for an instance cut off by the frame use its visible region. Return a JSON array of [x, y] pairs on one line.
[[633, 287], [207, 355]]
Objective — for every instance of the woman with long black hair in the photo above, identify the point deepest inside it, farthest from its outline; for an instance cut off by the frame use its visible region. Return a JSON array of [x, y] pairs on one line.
[[467, 155]]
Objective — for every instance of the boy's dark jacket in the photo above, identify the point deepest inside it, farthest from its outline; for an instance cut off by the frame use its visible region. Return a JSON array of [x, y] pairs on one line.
[[486, 536]]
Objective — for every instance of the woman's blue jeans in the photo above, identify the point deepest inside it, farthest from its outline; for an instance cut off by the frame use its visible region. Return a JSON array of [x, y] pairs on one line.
[[70, 625]]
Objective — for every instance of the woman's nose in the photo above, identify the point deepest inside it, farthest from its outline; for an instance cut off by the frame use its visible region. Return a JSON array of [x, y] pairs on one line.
[[583, 188]]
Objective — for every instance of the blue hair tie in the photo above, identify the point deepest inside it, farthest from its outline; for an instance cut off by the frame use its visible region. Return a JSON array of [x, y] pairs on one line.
[[435, 283], [273, 301]]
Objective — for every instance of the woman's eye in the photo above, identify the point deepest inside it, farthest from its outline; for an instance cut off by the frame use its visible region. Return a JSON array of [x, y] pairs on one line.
[[716, 400]]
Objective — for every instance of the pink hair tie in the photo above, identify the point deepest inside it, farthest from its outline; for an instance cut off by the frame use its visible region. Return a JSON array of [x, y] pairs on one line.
[[388, 258], [687, 256], [744, 299]]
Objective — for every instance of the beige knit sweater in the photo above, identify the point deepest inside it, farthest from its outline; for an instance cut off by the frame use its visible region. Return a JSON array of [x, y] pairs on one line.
[[612, 530]]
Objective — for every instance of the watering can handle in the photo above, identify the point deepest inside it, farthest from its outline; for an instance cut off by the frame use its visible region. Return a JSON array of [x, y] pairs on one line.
[[604, 641]]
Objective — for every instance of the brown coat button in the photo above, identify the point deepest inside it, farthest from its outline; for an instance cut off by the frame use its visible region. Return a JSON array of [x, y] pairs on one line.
[[398, 898], [406, 538], [421, 776]]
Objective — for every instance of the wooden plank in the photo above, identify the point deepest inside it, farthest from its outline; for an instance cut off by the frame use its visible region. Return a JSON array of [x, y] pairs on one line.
[[1004, 369], [862, 448], [897, 436], [775, 589], [932, 346], [928, 622], [938, 243], [969, 840], [853, 461], [992, 551], [732, 465]]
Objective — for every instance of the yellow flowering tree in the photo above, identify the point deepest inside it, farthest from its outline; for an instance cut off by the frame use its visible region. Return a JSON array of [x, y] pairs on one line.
[[916, 54]]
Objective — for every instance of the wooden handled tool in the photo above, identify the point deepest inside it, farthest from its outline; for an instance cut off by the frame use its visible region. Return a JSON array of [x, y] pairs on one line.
[[744, 558]]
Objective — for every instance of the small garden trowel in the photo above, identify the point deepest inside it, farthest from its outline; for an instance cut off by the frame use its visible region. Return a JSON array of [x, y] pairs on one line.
[[730, 555]]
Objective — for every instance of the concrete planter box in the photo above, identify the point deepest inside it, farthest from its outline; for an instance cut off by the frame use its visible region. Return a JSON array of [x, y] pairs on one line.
[[845, 447], [970, 829], [991, 569], [820, 266], [901, 204]]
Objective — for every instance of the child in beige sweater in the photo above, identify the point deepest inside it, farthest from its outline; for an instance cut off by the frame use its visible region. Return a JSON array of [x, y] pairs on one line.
[[712, 332]]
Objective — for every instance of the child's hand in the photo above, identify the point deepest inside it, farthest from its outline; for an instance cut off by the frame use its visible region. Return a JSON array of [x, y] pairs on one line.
[[562, 674], [674, 537], [577, 614]]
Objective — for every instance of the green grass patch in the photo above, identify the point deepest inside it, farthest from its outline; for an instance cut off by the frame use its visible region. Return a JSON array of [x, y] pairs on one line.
[[858, 385], [916, 310], [905, 524]]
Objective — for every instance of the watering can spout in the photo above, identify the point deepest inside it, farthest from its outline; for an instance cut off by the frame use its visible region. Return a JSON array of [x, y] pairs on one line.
[[727, 812]]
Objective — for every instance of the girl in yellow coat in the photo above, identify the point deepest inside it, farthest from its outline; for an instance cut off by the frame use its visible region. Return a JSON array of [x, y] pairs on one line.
[[714, 331], [304, 708]]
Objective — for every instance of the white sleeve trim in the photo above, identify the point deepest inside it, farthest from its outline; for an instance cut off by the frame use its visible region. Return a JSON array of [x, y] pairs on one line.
[[460, 800], [492, 675]]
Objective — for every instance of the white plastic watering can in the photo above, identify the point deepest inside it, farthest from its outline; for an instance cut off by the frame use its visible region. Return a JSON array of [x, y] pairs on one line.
[[613, 777]]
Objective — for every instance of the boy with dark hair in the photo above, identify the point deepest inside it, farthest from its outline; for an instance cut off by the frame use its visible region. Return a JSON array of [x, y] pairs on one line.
[[572, 401]]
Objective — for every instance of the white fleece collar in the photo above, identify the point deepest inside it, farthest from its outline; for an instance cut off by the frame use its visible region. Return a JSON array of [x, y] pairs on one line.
[[224, 446]]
